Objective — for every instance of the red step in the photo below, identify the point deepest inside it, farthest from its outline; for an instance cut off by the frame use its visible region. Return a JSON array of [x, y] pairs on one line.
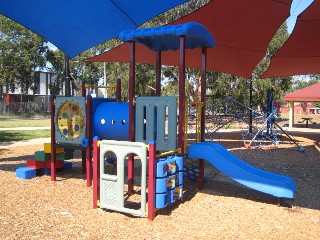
[[31, 163]]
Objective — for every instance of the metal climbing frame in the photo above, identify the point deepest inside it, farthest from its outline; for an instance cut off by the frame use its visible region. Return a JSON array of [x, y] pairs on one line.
[[192, 123]]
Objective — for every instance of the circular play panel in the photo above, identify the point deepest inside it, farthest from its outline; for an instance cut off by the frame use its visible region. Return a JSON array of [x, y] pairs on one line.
[[70, 120]]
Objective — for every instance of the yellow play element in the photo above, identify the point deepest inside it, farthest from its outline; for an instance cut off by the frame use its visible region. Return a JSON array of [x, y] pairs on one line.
[[70, 119], [47, 148]]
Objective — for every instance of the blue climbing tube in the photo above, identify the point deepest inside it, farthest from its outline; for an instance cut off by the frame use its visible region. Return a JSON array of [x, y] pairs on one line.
[[111, 121]]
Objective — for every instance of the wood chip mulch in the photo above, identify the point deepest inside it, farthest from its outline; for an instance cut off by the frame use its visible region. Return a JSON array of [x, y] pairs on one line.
[[41, 209]]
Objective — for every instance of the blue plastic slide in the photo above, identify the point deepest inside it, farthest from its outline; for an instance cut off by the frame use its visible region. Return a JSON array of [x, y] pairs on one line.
[[274, 184]]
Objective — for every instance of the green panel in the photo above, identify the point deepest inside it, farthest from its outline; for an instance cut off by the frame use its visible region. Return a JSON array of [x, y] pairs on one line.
[[43, 157]]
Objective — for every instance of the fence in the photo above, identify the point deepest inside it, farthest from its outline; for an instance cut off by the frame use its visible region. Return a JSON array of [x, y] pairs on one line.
[[40, 105]]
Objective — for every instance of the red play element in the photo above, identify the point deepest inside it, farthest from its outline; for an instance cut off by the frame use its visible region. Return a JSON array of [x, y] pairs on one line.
[[151, 180], [31, 163], [96, 173]]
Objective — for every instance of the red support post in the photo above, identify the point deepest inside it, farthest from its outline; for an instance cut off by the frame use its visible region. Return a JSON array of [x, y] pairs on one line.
[[132, 75], [158, 73], [89, 136], [203, 100], [118, 90], [53, 140], [182, 73], [83, 155], [151, 180], [96, 172], [83, 88]]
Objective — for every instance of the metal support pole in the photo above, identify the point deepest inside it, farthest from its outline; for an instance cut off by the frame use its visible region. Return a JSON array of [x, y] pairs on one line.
[[151, 180], [182, 74], [118, 90], [89, 136], [53, 140], [132, 75], [96, 172], [203, 100], [67, 76], [250, 105], [83, 152], [158, 73]]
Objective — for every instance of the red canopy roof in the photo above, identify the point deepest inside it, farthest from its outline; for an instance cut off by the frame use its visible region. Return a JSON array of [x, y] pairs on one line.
[[308, 94], [301, 53], [242, 30]]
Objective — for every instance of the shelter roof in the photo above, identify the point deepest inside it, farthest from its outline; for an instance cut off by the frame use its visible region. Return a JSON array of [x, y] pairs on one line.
[[301, 53], [308, 94], [168, 37], [77, 25], [242, 30]]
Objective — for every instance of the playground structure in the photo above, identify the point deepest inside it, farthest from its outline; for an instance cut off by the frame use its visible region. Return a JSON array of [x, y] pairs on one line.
[[149, 130], [262, 129]]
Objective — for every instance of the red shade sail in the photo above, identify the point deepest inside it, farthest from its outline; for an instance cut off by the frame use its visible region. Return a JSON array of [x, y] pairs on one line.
[[301, 53], [242, 30], [308, 94]]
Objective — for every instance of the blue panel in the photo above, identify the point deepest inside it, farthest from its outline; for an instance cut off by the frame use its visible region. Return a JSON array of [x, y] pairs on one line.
[[274, 184], [161, 200], [168, 37], [161, 185], [77, 25], [161, 168], [170, 196]]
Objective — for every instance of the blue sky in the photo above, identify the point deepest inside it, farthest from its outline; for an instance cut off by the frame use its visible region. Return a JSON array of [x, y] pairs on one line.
[[296, 8]]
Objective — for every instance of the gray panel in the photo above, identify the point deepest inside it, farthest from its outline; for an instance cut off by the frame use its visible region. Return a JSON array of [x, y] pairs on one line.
[[156, 120]]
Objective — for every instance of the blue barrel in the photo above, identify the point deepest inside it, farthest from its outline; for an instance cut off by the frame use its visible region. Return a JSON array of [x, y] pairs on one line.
[[111, 121]]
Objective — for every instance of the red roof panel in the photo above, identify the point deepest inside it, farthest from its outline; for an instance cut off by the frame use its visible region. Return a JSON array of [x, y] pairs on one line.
[[301, 53], [242, 30], [308, 94]]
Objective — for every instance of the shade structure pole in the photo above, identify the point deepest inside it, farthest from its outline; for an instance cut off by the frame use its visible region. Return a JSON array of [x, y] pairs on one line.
[[203, 100], [158, 73], [182, 73], [250, 105], [132, 74], [67, 76]]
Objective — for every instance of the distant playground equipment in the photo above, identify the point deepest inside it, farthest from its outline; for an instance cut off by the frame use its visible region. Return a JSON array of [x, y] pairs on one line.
[[232, 114], [143, 135]]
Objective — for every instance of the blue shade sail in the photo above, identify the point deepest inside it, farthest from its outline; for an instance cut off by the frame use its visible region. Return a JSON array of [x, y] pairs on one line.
[[168, 37], [77, 25]]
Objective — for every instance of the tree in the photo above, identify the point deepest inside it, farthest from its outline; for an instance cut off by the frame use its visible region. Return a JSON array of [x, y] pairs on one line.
[[21, 54]]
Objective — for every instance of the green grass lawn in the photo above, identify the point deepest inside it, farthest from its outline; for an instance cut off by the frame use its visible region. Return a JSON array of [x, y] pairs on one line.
[[12, 123], [7, 136]]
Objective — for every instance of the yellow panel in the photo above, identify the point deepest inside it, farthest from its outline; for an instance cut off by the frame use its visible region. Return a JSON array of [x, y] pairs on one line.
[[47, 148]]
